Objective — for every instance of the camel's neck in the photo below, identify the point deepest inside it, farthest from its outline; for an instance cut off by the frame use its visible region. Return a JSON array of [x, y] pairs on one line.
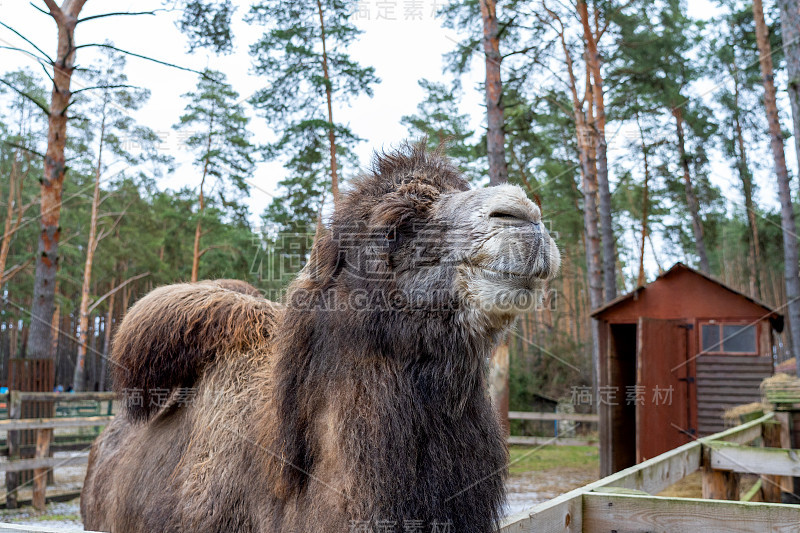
[[397, 414]]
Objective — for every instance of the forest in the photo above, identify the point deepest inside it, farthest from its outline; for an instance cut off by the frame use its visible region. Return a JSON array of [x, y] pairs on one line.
[[647, 134]]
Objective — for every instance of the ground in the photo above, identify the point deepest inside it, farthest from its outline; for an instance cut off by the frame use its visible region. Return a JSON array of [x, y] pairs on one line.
[[537, 474]]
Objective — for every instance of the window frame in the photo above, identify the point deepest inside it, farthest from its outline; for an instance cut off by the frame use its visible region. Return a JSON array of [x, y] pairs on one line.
[[720, 324]]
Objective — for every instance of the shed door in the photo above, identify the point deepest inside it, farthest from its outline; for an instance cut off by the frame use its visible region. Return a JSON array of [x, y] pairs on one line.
[[662, 410]]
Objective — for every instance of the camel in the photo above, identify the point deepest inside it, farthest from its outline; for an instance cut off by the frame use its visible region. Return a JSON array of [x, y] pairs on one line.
[[361, 403]]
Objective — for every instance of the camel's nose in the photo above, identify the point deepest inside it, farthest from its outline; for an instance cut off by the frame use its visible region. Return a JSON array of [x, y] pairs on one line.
[[509, 205]]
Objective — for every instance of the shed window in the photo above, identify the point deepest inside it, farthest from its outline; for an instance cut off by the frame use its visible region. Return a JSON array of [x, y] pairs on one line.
[[729, 338]]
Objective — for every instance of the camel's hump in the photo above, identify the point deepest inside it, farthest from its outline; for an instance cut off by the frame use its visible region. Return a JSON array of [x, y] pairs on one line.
[[169, 337]]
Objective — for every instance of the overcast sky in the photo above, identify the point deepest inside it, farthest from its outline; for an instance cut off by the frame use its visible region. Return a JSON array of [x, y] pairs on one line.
[[402, 45]]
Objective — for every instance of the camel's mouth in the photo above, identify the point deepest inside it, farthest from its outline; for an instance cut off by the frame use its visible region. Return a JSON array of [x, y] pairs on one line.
[[527, 281]]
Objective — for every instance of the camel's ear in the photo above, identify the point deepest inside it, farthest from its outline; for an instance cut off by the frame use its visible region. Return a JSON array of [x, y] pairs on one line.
[[400, 209]]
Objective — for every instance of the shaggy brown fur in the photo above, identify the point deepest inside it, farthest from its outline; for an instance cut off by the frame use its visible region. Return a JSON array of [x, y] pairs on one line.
[[319, 417], [171, 335], [237, 285]]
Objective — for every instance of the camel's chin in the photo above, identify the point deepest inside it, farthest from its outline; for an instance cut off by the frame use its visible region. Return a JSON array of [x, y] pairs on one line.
[[511, 296]]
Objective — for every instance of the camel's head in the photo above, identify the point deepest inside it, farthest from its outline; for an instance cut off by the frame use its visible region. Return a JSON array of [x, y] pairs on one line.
[[412, 235]]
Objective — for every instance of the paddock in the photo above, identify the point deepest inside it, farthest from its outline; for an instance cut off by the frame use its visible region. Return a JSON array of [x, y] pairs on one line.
[[629, 500]]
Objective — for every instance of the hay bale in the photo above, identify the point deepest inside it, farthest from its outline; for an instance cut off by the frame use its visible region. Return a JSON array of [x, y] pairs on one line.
[[744, 413]]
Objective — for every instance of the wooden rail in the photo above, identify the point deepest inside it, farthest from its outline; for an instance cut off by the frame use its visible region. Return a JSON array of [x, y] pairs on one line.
[[574, 417], [628, 499], [42, 462], [557, 440], [60, 396]]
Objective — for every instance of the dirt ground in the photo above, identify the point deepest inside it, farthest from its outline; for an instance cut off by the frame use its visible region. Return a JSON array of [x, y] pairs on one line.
[[527, 489]]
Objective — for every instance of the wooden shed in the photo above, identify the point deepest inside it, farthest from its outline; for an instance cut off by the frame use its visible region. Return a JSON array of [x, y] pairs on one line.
[[674, 355]]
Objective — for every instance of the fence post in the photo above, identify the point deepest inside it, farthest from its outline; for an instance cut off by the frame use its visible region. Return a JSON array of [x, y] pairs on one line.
[[14, 413], [771, 485], [43, 437], [718, 484]]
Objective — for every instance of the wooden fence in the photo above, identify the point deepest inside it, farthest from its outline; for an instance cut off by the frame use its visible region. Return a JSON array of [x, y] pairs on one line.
[[42, 461], [562, 438], [628, 499]]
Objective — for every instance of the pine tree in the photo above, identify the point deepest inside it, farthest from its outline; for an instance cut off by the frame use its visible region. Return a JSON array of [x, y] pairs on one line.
[[216, 125], [790, 25], [303, 59], [733, 57], [110, 106], [439, 120], [788, 224], [52, 183], [652, 58]]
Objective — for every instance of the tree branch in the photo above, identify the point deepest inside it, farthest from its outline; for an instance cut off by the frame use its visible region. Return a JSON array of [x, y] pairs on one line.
[[119, 13], [39, 104], [114, 290], [140, 56], [44, 55], [13, 271], [21, 147], [121, 86], [39, 9], [214, 247], [109, 231], [55, 11]]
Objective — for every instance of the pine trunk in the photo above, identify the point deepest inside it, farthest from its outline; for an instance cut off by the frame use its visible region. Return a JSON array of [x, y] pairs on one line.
[[605, 218], [11, 206], [747, 190], [107, 342], [590, 217], [790, 28], [495, 133], [498, 174], [790, 255], [79, 374], [691, 198], [640, 279], [198, 230], [39, 345], [329, 98]]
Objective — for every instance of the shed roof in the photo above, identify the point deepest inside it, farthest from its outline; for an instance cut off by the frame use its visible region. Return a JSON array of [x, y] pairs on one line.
[[679, 268]]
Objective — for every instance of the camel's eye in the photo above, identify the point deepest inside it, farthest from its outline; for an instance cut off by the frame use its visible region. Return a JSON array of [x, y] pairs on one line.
[[506, 217], [501, 215]]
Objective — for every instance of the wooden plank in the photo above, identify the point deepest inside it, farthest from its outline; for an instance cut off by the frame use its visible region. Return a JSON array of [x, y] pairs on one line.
[[42, 423], [13, 528], [735, 371], [43, 462], [576, 417], [639, 514], [43, 437], [771, 437], [744, 360], [763, 461], [68, 396], [12, 478], [734, 399], [554, 441], [718, 484], [786, 442], [563, 513], [743, 434]]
